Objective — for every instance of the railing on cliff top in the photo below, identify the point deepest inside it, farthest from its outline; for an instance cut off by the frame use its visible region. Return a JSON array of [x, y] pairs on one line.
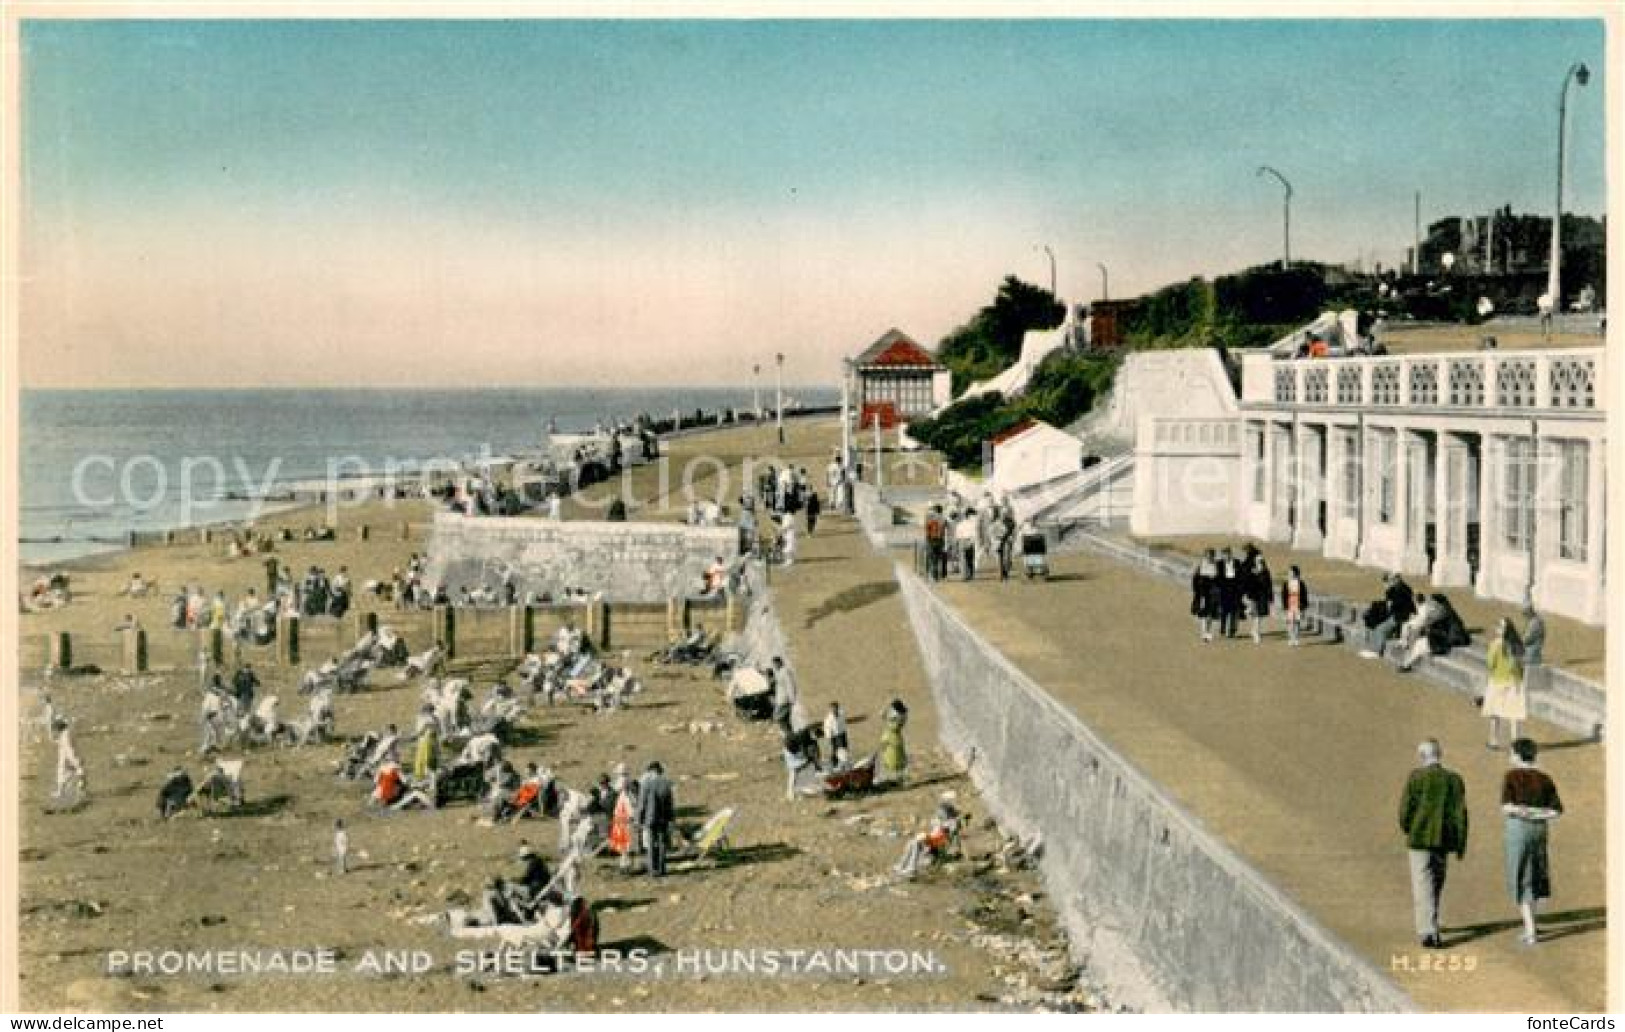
[[1495, 382]]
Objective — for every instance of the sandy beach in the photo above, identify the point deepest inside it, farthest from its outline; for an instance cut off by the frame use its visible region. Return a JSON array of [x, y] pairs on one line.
[[813, 873]]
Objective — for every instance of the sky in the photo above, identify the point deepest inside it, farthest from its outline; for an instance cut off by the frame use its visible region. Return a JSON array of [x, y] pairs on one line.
[[442, 203]]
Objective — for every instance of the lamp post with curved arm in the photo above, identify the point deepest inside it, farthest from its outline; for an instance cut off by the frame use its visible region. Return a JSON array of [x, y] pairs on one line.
[[1579, 73], [1105, 282], [1046, 249], [1286, 215]]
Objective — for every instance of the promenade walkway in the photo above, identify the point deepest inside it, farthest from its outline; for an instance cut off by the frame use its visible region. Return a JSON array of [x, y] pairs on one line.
[[1297, 757]]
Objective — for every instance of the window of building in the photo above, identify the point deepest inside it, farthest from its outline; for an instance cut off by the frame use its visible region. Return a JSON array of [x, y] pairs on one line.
[[1574, 465], [1518, 492], [1387, 442]]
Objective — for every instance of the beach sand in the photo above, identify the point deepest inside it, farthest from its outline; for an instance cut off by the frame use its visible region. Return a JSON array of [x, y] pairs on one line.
[[810, 874]]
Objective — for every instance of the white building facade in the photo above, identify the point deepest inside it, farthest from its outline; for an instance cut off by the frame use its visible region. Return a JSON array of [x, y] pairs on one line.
[[1475, 469]]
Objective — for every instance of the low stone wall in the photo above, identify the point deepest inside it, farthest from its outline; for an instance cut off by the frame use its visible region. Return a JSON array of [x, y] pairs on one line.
[[1152, 901], [626, 562]]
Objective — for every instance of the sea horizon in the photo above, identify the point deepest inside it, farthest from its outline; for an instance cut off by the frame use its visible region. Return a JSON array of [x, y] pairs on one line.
[[98, 463]]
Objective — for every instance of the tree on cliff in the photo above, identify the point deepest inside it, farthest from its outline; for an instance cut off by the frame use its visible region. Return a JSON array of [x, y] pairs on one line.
[[991, 340]]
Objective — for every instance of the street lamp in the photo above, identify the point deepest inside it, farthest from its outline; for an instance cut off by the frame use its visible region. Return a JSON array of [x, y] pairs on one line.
[[846, 414], [1577, 72], [756, 391], [778, 409], [1046, 249], [1105, 293], [1286, 215]]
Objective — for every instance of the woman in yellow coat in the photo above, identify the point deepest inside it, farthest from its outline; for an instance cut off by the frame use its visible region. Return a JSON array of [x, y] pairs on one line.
[[1504, 697]]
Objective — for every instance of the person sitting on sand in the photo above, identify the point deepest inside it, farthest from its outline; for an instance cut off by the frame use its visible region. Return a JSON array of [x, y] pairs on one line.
[[388, 786], [137, 587], [935, 841], [174, 793]]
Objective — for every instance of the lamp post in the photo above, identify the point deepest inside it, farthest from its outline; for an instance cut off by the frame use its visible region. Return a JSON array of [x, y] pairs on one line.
[[756, 391], [778, 408], [1046, 249], [1286, 215], [1577, 72], [846, 414], [1105, 292]]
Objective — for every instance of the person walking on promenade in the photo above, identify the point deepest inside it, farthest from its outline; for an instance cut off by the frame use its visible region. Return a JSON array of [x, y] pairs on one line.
[[1005, 535], [1530, 802], [1230, 578], [1260, 587], [1294, 601], [936, 534], [814, 508], [1534, 638], [1204, 592], [1504, 696], [1433, 818], [656, 810], [967, 532]]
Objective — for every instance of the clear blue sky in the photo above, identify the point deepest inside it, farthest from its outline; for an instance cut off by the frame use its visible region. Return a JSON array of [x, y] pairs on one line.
[[857, 174]]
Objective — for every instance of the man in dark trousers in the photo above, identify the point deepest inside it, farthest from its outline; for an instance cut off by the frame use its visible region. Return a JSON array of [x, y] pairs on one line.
[[1433, 816], [1399, 604], [656, 810], [814, 507]]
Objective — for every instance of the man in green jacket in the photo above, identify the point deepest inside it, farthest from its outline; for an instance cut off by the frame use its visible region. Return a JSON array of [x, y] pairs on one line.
[[1433, 816]]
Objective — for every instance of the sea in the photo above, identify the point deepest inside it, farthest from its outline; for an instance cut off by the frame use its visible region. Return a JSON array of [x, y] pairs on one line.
[[97, 464]]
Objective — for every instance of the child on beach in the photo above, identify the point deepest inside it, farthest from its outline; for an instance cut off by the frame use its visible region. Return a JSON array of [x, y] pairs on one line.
[[341, 848]]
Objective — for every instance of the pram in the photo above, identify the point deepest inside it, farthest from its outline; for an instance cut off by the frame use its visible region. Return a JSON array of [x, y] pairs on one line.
[[1035, 554], [856, 779], [751, 694]]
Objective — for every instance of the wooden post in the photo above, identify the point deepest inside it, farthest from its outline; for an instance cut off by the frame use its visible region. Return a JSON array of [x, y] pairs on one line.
[[205, 535], [445, 629], [673, 624], [406, 530], [61, 651], [287, 640], [214, 643], [135, 651], [368, 623], [598, 620], [363, 533]]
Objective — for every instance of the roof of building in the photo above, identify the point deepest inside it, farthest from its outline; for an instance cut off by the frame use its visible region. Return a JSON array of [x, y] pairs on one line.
[[1033, 428], [1014, 432], [897, 350]]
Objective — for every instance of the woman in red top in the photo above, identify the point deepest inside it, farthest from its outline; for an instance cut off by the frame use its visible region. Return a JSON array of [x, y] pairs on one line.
[[1530, 801]]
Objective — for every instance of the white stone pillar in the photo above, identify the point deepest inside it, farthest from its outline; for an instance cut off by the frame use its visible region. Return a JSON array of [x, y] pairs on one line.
[[1547, 511], [1450, 568], [1279, 448], [1306, 532], [1413, 550], [1489, 515]]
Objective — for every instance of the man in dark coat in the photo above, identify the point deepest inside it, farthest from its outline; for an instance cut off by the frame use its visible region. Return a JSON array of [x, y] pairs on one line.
[[656, 810], [1433, 816]]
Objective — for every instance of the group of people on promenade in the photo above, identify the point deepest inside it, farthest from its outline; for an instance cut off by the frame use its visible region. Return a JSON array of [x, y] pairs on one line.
[[1225, 587], [958, 537]]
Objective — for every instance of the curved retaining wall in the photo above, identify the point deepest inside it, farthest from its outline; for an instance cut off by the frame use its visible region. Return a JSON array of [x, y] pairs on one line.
[[1153, 902]]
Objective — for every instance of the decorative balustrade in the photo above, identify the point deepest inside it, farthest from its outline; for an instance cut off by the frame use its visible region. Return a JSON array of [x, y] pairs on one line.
[[1517, 380]]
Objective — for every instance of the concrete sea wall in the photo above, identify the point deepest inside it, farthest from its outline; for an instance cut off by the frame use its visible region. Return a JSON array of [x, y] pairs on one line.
[[1153, 902], [627, 562]]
